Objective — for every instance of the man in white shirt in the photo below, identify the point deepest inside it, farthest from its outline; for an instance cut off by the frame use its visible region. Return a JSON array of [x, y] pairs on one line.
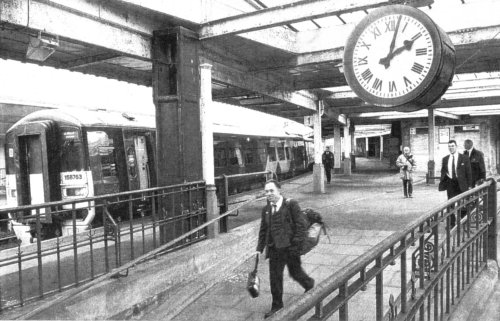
[[283, 229], [456, 174]]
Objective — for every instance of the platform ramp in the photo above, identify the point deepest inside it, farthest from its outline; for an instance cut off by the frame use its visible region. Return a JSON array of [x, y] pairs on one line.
[[177, 278]]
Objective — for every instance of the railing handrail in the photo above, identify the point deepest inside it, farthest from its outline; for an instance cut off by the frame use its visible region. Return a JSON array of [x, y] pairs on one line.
[[333, 282], [131, 264], [97, 198], [243, 175]]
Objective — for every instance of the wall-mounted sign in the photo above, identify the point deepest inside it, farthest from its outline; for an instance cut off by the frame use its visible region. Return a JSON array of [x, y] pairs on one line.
[[444, 135]]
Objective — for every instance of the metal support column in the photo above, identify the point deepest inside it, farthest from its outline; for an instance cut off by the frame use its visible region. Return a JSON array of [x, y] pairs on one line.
[[337, 149], [207, 151], [176, 94], [347, 147], [381, 147], [318, 169], [492, 214], [352, 129], [431, 120]]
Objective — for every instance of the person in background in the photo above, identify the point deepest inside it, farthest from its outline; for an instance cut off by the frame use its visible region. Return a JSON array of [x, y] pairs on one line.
[[282, 231], [476, 158], [328, 164], [407, 165], [456, 174]]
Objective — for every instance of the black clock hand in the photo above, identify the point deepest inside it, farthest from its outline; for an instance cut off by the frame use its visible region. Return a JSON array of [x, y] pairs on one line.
[[393, 42], [387, 60], [407, 44]]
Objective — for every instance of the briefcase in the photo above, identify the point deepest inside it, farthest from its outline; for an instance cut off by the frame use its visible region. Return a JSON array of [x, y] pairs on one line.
[[253, 283]]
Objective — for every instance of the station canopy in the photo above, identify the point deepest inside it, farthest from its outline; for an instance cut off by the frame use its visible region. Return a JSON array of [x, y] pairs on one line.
[[275, 56]]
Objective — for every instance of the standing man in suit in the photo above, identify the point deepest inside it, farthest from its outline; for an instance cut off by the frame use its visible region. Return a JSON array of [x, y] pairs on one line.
[[476, 158], [282, 231], [456, 174], [328, 164]]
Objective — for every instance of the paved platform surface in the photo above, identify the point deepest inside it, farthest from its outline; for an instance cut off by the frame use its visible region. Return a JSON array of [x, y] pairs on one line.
[[492, 309], [361, 210]]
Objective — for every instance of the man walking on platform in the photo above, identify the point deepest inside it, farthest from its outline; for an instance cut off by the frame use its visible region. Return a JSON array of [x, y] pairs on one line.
[[328, 161], [456, 174], [476, 158], [282, 231]]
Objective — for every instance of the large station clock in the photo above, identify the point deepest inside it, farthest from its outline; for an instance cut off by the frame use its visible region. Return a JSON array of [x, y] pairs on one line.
[[398, 56]]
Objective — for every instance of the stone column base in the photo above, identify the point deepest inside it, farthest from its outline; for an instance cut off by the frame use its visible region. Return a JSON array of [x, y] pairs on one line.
[[347, 166], [212, 211], [318, 178], [430, 172]]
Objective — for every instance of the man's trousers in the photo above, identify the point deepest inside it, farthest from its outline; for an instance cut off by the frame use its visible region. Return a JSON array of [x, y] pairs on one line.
[[278, 258]]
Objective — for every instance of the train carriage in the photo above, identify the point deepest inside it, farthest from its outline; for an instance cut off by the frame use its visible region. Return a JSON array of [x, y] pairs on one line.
[[53, 155]]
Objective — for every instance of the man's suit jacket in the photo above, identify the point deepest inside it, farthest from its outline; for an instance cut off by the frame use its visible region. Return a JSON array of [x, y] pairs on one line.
[[287, 228], [476, 158], [464, 173], [328, 160]]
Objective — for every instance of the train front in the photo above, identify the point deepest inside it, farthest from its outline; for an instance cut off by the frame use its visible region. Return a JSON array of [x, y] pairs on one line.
[[45, 162]]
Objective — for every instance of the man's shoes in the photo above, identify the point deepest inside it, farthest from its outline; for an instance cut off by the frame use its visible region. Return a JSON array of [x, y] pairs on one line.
[[310, 286], [410, 196], [271, 312]]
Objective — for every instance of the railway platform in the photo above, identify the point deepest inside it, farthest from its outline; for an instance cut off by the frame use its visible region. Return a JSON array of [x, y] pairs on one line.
[[360, 210]]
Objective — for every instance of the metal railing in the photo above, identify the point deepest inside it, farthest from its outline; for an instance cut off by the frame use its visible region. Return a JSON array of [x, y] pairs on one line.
[[223, 184], [122, 271], [128, 224], [451, 256]]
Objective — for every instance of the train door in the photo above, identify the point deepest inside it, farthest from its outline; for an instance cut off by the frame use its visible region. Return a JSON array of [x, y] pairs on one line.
[[141, 154], [31, 176], [138, 171]]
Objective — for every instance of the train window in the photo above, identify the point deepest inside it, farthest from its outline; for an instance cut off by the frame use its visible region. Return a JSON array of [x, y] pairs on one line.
[[287, 152], [101, 148], [71, 150], [271, 153], [249, 157], [233, 156], [220, 157], [281, 152]]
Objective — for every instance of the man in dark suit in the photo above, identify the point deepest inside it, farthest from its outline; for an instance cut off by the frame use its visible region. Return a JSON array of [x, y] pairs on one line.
[[283, 229], [328, 161], [456, 174], [476, 158]]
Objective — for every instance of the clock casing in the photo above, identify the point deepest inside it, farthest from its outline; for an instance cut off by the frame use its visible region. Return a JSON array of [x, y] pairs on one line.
[[397, 56]]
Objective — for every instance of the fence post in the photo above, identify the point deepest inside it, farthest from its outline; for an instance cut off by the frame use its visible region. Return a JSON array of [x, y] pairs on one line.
[[212, 210], [492, 214]]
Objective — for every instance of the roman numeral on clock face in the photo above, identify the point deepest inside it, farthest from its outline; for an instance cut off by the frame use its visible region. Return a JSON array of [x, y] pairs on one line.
[[415, 37], [376, 33], [367, 75], [392, 86], [377, 84], [407, 81], [390, 25], [363, 61], [404, 27], [417, 68], [367, 45], [421, 52]]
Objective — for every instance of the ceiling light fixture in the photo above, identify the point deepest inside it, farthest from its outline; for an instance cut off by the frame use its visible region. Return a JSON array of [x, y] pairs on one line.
[[40, 48]]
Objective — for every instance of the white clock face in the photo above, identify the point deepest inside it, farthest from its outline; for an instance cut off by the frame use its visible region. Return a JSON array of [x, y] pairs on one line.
[[392, 56]]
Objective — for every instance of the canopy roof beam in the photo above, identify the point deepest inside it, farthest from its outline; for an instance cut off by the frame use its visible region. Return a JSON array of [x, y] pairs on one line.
[[288, 13]]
